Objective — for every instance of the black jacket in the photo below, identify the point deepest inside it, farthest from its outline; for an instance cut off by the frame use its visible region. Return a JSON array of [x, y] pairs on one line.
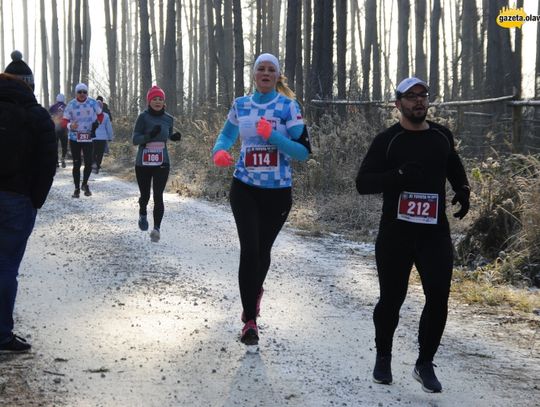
[[36, 177]]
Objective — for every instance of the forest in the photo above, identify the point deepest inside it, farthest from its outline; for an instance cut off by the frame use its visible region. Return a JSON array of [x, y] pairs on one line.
[[343, 59], [201, 51]]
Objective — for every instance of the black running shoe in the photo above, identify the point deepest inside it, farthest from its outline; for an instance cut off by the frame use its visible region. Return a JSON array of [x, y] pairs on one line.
[[250, 333], [425, 374], [143, 222], [86, 190], [76, 193], [382, 372], [15, 345], [63, 163]]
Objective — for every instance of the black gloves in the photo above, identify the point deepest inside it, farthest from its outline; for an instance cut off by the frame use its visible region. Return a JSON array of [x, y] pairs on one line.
[[95, 125], [155, 131], [462, 196], [176, 136]]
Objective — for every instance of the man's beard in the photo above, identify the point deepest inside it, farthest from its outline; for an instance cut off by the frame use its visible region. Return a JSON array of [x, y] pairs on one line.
[[409, 114]]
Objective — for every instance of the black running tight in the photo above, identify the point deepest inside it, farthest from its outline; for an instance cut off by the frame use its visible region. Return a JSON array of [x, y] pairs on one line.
[[259, 214], [87, 151], [157, 178], [430, 250]]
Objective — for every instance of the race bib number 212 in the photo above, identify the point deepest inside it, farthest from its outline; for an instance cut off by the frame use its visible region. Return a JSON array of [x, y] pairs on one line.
[[418, 207]]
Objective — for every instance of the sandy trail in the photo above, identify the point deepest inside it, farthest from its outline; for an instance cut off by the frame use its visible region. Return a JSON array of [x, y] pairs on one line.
[[116, 320]]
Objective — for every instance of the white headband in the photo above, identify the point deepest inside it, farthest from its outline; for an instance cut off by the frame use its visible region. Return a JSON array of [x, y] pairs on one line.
[[267, 58]]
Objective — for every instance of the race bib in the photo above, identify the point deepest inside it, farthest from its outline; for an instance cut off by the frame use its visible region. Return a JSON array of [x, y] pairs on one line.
[[152, 154], [418, 207], [84, 138], [261, 158]]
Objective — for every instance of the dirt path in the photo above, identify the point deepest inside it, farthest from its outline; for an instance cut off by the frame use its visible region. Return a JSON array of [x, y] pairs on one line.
[[116, 320]]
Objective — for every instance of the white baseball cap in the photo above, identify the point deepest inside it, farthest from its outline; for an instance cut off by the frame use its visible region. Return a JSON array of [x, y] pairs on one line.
[[408, 83]]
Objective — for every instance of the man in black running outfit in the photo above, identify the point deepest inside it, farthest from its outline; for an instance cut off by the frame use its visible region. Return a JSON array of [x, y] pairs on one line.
[[409, 163]]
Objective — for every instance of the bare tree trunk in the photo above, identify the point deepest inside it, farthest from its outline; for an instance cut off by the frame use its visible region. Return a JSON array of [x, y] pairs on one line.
[[145, 58], [496, 51], [353, 67], [26, 35], [455, 19], [467, 49], [110, 35], [290, 40], [276, 18], [169, 58], [308, 25], [44, 52], [238, 50], [138, 92], [87, 37], [321, 70], [158, 74], [518, 38], [68, 51], [212, 57], [55, 52], [420, 20], [268, 26], [341, 50], [77, 45], [203, 52], [192, 37], [123, 92], [537, 65], [258, 31], [228, 51], [299, 77], [434, 50], [446, 76], [370, 34], [179, 60], [404, 9]]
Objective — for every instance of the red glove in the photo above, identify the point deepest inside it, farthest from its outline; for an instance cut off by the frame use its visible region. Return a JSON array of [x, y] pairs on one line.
[[264, 128], [223, 159]]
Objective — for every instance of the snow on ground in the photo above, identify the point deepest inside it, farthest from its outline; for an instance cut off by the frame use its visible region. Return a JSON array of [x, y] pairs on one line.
[[116, 320]]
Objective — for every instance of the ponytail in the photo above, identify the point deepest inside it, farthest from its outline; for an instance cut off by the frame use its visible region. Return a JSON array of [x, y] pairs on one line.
[[283, 88]]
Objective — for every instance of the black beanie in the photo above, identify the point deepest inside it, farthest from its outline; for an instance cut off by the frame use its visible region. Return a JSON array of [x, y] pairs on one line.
[[19, 68]]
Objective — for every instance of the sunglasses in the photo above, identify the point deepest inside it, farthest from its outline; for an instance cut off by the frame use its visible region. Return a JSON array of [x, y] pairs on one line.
[[411, 96], [82, 91]]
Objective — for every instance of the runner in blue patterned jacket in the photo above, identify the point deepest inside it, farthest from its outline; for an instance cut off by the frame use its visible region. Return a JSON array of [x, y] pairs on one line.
[[152, 129], [272, 132]]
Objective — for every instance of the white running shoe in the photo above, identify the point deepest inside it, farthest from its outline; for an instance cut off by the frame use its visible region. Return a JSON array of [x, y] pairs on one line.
[[154, 235]]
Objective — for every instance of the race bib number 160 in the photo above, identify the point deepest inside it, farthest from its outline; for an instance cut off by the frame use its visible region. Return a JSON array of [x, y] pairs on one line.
[[418, 207]]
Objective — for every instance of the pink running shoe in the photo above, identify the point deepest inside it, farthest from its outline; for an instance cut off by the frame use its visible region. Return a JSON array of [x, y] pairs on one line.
[[259, 298], [250, 333]]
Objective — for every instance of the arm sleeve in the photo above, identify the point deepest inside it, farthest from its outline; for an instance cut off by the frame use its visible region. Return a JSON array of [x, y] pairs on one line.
[[373, 176], [45, 151], [110, 133], [138, 132], [291, 147], [227, 137], [455, 171]]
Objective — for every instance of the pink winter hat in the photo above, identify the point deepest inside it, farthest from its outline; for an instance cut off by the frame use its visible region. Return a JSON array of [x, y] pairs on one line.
[[153, 92]]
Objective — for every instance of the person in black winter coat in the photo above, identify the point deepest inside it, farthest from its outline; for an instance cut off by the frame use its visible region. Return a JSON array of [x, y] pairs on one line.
[[24, 182]]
